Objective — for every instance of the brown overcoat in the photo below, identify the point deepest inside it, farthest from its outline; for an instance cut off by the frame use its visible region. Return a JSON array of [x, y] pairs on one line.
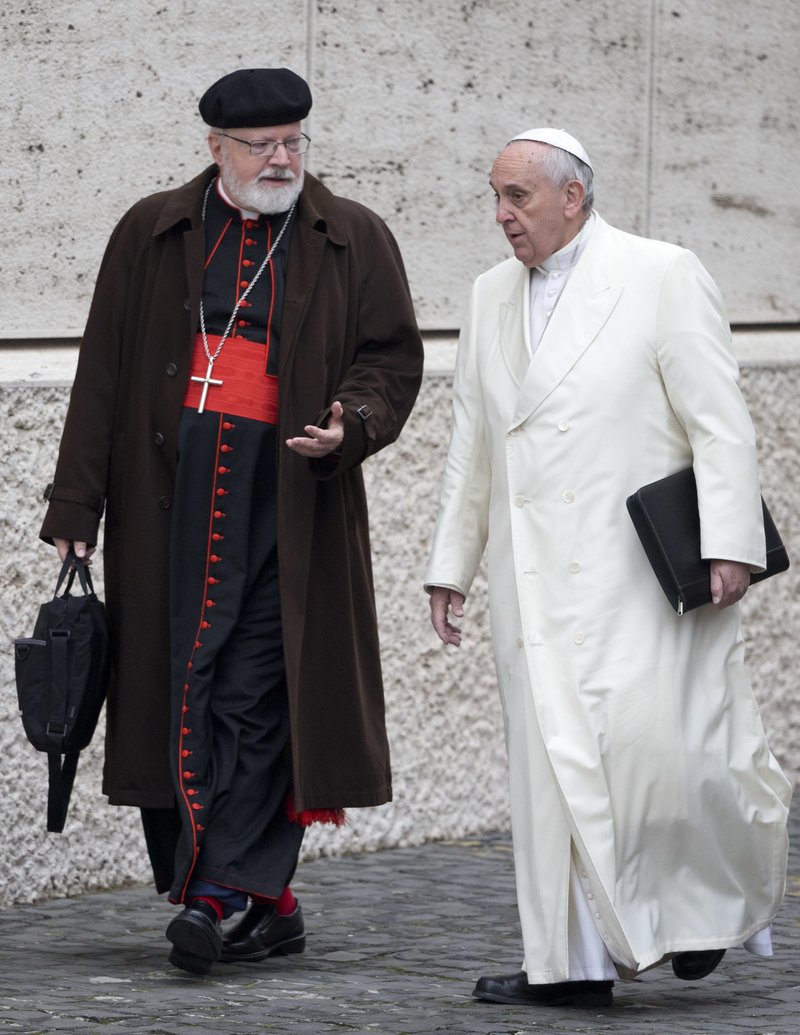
[[348, 332]]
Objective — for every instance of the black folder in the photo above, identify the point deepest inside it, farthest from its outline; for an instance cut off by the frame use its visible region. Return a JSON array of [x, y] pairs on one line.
[[666, 518]]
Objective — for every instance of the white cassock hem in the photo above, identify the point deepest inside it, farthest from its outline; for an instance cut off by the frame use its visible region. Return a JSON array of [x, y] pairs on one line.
[[589, 958]]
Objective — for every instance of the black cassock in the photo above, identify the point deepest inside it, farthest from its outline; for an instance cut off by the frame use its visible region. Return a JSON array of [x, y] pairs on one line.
[[230, 723]]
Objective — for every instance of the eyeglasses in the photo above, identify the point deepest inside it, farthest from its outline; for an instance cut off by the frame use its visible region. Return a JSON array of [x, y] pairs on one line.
[[267, 148]]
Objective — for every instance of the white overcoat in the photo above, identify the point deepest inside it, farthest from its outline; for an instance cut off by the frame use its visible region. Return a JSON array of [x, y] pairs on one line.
[[633, 734]]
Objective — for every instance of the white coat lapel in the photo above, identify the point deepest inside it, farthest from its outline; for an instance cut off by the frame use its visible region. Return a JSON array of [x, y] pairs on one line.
[[583, 309], [514, 326]]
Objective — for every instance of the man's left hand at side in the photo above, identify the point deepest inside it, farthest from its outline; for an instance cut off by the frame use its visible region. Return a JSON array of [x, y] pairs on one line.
[[729, 582], [321, 441]]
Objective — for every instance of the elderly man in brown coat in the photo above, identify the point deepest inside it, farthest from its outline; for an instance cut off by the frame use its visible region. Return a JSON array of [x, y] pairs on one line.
[[251, 341]]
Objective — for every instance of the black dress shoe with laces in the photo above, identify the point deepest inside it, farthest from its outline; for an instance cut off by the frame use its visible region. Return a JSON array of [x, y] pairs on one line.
[[691, 966], [196, 938], [262, 933], [514, 988]]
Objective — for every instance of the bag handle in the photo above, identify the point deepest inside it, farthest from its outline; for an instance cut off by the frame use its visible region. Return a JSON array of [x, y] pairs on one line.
[[72, 564]]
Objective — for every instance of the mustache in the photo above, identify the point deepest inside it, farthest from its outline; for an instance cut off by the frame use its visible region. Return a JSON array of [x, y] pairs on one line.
[[278, 174]]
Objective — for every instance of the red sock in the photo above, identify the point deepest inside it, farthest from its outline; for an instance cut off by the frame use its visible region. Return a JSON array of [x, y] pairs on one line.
[[213, 902], [287, 903]]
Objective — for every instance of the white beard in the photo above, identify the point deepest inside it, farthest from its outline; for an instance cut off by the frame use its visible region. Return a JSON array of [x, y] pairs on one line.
[[257, 196]]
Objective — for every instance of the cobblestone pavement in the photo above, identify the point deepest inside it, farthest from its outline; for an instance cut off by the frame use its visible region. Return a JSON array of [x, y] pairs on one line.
[[395, 942]]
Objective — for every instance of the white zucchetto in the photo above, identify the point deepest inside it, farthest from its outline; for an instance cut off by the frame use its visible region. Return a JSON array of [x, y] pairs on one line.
[[557, 138]]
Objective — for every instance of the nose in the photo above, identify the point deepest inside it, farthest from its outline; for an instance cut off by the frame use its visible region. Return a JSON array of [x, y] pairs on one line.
[[502, 214], [281, 156]]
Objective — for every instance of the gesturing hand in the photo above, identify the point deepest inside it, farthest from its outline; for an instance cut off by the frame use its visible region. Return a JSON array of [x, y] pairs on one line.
[[321, 441]]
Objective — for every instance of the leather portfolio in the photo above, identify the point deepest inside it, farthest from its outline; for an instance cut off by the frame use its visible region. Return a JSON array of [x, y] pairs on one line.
[[666, 517]]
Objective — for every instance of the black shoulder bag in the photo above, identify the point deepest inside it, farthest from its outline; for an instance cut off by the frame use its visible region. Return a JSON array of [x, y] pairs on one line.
[[62, 674]]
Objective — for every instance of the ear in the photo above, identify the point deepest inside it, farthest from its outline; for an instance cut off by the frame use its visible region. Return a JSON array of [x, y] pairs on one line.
[[215, 147], [574, 193]]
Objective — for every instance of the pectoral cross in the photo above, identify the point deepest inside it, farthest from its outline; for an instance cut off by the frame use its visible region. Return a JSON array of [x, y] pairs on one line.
[[205, 382]]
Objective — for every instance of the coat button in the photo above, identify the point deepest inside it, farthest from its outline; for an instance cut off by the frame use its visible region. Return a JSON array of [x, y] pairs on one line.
[[520, 642], [158, 438], [574, 567], [519, 501], [578, 638], [186, 304], [563, 425], [172, 369], [568, 496], [165, 503]]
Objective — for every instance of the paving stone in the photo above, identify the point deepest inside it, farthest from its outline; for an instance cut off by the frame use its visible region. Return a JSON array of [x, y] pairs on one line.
[[396, 940]]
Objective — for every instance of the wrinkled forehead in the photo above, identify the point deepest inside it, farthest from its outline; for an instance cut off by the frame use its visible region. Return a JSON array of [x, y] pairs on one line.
[[518, 162]]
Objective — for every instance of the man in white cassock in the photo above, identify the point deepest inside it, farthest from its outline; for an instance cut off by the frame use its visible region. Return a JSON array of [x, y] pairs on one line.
[[648, 815]]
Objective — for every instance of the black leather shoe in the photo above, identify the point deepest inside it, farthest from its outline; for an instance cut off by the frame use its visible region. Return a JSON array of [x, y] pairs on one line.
[[691, 966], [196, 938], [514, 988], [262, 933]]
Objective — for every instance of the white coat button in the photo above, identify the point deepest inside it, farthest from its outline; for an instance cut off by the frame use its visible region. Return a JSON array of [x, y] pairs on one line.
[[590, 895], [578, 638], [574, 568], [597, 916], [520, 642], [563, 425], [568, 496], [555, 274], [519, 501]]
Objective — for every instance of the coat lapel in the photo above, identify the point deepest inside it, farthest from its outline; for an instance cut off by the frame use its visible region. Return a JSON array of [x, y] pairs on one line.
[[514, 327], [305, 258], [586, 304], [317, 223]]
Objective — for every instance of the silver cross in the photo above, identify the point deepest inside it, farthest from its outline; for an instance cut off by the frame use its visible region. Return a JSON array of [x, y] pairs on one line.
[[205, 382]]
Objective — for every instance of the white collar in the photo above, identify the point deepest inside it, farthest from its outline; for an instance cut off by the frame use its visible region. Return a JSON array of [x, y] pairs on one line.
[[568, 255], [224, 195]]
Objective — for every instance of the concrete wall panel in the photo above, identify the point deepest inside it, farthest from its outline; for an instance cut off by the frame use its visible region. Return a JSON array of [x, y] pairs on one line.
[[725, 147], [101, 109], [415, 101]]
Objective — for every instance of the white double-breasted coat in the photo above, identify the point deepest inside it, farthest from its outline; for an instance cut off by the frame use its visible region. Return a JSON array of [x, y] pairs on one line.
[[633, 734]]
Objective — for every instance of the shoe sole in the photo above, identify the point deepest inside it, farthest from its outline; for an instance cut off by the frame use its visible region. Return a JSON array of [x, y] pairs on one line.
[[188, 962], [194, 948], [583, 1002], [287, 948]]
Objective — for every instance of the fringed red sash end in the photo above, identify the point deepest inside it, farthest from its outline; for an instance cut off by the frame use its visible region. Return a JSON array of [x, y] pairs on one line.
[[333, 817]]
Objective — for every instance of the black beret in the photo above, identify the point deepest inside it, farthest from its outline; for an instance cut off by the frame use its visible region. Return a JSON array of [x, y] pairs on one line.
[[252, 97]]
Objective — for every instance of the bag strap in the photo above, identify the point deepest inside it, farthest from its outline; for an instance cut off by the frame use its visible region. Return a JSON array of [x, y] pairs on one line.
[[72, 564], [56, 703], [61, 777]]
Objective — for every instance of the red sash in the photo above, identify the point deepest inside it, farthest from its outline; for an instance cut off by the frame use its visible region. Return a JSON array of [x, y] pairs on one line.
[[246, 389]]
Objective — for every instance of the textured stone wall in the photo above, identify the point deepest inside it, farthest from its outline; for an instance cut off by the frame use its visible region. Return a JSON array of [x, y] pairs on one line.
[[443, 712]]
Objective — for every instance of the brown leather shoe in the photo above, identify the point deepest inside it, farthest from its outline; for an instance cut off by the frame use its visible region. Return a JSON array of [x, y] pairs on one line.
[[514, 988], [262, 933], [691, 966]]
